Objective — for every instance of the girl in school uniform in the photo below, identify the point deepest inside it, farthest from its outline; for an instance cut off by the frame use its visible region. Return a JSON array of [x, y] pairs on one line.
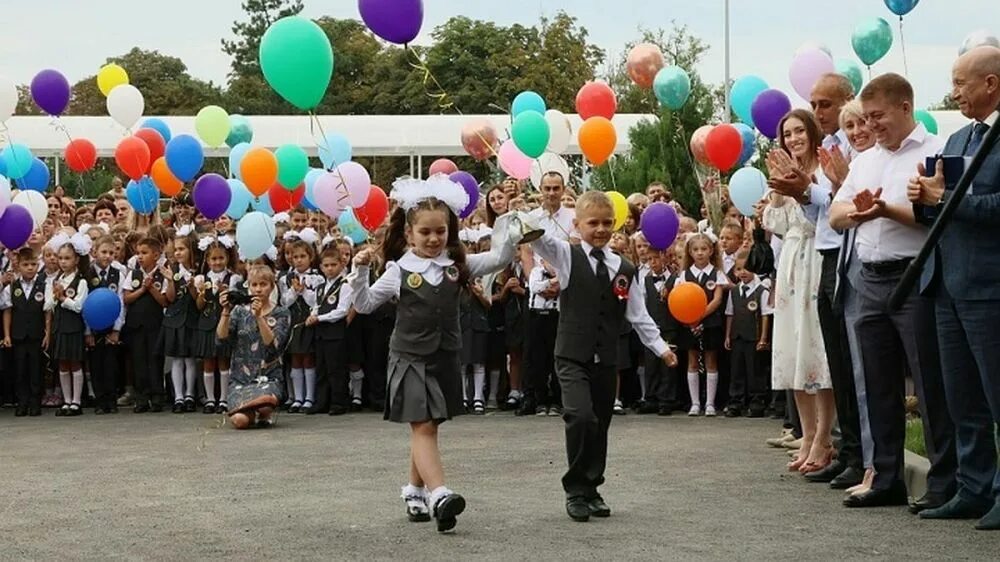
[[179, 320], [64, 298], [426, 269], [297, 290], [215, 278]]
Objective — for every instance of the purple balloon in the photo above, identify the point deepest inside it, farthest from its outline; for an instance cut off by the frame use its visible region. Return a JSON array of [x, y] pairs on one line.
[[16, 225], [50, 90], [767, 111], [471, 187], [659, 224], [212, 195], [396, 21]]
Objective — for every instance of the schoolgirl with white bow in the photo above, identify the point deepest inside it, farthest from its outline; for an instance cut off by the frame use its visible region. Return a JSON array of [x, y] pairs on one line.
[[215, 277], [179, 320], [297, 290], [64, 296]]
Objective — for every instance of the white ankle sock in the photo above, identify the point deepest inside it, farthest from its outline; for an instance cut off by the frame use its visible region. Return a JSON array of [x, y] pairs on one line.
[[411, 490], [77, 385], [357, 380], [66, 386], [190, 377], [210, 386], [177, 377], [479, 380], [436, 496], [711, 385], [223, 385], [310, 375], [494, 385], [693, 388]]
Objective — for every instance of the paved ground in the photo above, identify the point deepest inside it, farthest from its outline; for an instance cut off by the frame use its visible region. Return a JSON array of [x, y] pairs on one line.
[[163, 486]]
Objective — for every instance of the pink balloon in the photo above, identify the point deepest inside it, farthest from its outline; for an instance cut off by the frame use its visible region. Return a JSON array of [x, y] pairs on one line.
[[513, 161], [355, 181], [807, 68], [329, 196], [442, 166]]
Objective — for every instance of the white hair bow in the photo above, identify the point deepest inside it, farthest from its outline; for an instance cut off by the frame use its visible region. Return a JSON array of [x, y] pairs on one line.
[[184, 230], [204, 243], [410, 192], [81, 243], [227, 241], [58, 241], [279, 218]]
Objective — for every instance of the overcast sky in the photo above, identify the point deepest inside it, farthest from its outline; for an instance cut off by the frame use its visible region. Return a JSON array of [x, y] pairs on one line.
[[76, 37]]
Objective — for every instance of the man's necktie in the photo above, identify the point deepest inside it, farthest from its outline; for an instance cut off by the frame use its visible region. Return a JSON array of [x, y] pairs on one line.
[[978, 132], [602, 269]]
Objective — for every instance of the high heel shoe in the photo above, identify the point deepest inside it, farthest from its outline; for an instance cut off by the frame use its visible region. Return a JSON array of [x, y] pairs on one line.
[[813, 466]]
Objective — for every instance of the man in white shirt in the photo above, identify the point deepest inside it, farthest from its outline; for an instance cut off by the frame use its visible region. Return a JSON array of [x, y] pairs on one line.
[[874, 200], [556, 220], [541, 386]]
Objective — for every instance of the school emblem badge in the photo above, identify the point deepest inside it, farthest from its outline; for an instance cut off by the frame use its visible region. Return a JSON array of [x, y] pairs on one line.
[[332, 299], [95, 282], [451, 272], [71, 292], [710, 285], [414, 280], [271, 321], [18, 292], [135, 283], [752, 306], [177, 276], [157, 285], [113, 287], [620, 286], [39, 297]]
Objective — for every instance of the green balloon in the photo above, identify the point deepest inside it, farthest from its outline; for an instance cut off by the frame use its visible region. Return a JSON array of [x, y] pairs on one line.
[[293, 165], [531, 133], [850, 70], [925, 117], [297, 60], [872, 39]]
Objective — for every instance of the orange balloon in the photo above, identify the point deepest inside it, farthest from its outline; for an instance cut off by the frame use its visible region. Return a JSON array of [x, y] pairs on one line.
[[597, 139], [688, 302], [259, 169], [164, 179]]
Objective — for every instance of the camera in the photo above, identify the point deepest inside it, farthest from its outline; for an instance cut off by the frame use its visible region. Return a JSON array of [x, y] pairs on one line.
[[238, 297]]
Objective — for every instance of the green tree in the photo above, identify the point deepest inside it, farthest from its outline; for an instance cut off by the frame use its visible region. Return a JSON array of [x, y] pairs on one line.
[[260, 15], [947, 103]]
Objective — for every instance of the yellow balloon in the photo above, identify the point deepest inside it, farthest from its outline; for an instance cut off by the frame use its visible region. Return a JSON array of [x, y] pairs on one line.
[[109, 76], [212, 125], [620, 205]]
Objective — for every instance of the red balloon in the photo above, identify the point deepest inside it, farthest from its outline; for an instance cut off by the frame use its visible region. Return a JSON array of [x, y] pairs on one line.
[[596, 98], [154, 140], [723, 146], [81, 155], [282, 200], [442, 166], [372, 214], [132, 156]]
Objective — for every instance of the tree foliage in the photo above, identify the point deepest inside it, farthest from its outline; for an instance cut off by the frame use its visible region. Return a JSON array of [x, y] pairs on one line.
[[260, 15]]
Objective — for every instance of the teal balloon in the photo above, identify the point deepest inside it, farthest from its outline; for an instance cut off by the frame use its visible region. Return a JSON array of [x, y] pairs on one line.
[[746, 188], [293, 165], [334, 149], [527, 101], [236, 155], [297, 60], [240, 131], [350, 227], [871, 40], [672, 86], [239, 204], [255, 234], [742, 95], [901, 7], [850, 70], [531, 133], [17, 158], [925, 117]]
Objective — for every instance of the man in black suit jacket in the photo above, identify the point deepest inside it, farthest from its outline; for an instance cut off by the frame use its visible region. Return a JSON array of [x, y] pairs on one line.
[[964, 278]]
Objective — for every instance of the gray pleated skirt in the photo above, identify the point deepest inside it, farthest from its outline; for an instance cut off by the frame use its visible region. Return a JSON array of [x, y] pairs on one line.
[[423, 387]]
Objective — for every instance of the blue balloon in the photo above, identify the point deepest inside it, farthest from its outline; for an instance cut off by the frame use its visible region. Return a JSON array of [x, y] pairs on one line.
[[143, 195], [742, 95], [3, 165], [350, 227], [18, 160], [255, 235], [185, 157], [901, 7], [527, 101], [160, 126], [749, 142], [746, 188], [101, 309], [334, 150], [262, 204], [240, 130], [236, 155], [241, 200], [311, 177], [37, 178]]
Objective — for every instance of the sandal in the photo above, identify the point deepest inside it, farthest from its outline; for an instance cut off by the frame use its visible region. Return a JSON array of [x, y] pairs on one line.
[[295, 407], [478, 407]]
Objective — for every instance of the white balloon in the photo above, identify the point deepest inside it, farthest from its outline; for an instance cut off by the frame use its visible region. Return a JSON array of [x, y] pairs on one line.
[[978, 39], [546, 163], [35, 203], [810, 45], [125, 105], [8, 98], [560, 131]]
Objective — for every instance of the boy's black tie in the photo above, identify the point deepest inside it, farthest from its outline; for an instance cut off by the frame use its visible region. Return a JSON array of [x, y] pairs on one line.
[[602, 269]]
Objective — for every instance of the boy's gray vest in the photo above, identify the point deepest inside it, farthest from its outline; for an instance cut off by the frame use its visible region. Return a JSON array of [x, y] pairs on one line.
[[746, 313], [328, 297], [27, 316], [427, 316], [657, 306]]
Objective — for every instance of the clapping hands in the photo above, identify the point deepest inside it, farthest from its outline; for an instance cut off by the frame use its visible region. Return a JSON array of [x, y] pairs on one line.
[[868, 205]]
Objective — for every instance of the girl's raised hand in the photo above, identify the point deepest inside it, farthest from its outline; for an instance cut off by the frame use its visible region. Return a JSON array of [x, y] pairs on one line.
[[364, 258]]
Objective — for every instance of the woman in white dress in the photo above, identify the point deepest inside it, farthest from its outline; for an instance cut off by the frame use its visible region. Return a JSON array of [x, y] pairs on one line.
[[799, 360]]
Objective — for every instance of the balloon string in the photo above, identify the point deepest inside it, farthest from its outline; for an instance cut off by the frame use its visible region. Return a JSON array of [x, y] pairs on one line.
[[314, 124], [902, 43], [611, 172]]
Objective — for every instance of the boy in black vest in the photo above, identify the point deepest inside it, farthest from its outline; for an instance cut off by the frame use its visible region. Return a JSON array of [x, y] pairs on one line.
[[599, 291], [329, 316], [661, 380], [25, 329], [748, 315], [146, 289], [105, 274]]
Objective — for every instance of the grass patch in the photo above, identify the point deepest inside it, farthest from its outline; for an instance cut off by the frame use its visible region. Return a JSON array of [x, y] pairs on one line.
[[915, 436]]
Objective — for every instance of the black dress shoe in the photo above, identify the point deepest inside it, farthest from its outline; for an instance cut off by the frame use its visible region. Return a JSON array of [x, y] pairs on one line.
[[826, 474], [648, 408], [156, 408], [665, 411], [338, 410], [21, 412], [527, 408], [598, 508], [578, 509], [957, 508], [929, 501], [140, 408], [34, 411], [896, 495], [851, 476], [446, 510]]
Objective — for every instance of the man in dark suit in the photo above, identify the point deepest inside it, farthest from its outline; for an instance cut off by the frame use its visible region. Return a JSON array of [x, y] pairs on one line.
[[964, 278]]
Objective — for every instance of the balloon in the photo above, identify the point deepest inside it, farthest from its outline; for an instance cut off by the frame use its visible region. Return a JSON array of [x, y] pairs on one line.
[[109, 77], [742, 95], [746, 188], [160, 126], [807, 67], [697, 144], [8, 98], [334, 149], [255, 234], [396, 21], [372, 214], [132, 156], [620, 207], [164, 179], [80, 155], [513, 161], [687, 303], [293, 165], [36, 205], [283, 199], [154, 140], [185, 157], [548, 162], [240, 131], [142, 196], [125, 105], [723, 146], [442, 166], [355, 179], [471, 187], [310, 198], [975, 39], [672, 86], [901, 7], [749, 142], [101, 309], [644, 62], [350, 227], [236, 155], [50, 90], [597, 138], [297, 60], [479, 139], [16, 225], [527, 101], [930, 123], [768, 109], [531, 133], [239, 200], [560, 131], [259, 170], [212, 125], [328, 196], [596, 99], [659, 224], [852, 71], [5, 196], [262, 204], [37, 178], [871, 40], [18, 159], [810, 45], [211, 196]]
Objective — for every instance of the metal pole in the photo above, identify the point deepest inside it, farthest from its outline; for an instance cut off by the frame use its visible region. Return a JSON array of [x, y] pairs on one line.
[[420, 166], [57, 170], [725, 110]]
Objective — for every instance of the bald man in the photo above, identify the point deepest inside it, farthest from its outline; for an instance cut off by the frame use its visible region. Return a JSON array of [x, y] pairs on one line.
[[964, 278]]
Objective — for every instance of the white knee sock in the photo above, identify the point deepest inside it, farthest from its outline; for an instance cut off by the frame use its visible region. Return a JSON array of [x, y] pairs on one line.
[[66, 386], [357, 380], [223, 385], [494, 384], [310, 376], [190, 377], [479, 380], [298, 384], [693, 388], [209, 377], [711, 384], [177, 377], [77, 385]]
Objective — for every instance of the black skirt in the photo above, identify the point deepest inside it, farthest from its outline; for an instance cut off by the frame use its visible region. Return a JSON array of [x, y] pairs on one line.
[[204, 345], [713, 339], [68, 346], [474, 347], [423, 388], [177, 341]]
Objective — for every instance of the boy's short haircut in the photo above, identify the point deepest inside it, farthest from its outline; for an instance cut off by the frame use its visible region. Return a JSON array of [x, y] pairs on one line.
[[105, 239], [151, 243], [331, 251], [26, 254], [593, 199], [732, 225], [742, 255]]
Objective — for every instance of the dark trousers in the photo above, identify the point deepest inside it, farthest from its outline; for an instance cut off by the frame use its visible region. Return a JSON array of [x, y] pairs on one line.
[[332, 387], [27, 368], [588, 392], [539, 381], [661, 381], [147, 364], [746, 377], [970, 357], [104, 372], [889, 341], [377, 333]]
